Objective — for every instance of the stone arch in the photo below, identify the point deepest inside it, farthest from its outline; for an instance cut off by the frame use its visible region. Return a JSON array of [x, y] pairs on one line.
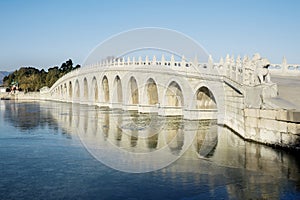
[[215, 90], [105, 87], [85, 89], [58, 91], [174, 96], [94, 92], [70, 90], [61, 91], [134, 92], [77, 90], [118, 90], [205, 99], [151, 91], [65, 90]]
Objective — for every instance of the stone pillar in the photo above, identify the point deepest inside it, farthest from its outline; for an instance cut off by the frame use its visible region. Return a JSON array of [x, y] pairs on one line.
[[154, 60], [232, 68], [195, 63], [227, 65], [239, 70], [221, 66], [119, 62], [210, 62], [246, 70], [183, 62], [172, 61], [284, 66], [128, 60]]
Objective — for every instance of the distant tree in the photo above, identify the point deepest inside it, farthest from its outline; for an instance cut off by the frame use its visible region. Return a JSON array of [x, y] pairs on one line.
[[32, 79], [77, 67], [66, 67]]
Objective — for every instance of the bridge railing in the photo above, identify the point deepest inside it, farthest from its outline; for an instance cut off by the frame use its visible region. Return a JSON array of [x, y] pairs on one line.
[[242, 71], [285, 69]]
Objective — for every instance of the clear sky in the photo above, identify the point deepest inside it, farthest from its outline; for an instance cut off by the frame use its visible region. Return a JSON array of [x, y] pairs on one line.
[[46, 33]]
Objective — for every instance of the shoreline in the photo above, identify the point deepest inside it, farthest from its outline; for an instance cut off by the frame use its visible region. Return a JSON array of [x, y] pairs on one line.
[[20, 95]]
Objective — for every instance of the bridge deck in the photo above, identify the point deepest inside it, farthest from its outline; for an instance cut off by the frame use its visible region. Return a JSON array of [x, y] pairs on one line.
[[288, 89]]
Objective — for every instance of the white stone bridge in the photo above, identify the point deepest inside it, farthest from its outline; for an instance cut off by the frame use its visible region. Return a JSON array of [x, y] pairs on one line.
[[225, 91]]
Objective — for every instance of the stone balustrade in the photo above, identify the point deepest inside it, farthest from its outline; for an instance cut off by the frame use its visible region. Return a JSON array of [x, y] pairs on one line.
[[240, 70], [285, 70]]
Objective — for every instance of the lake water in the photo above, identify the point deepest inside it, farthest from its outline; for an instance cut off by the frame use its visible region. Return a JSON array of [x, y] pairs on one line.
[[51, 150]]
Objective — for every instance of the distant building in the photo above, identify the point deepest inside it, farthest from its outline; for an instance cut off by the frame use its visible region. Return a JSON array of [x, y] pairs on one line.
[[4, 89], [14, 87]]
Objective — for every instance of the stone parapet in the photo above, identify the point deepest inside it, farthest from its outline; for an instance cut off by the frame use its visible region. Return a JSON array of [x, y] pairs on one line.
[[273, 127]]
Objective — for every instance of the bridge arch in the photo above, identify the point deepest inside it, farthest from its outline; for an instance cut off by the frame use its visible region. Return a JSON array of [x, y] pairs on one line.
[[105, 89], [205, 99], [174, 95], [85, 89], [151, 92], [94, 91], [70, 90], [61, 91], [77, 90], [65, 91], [214, 106], [134, 92], [118, 96], [57, 91]]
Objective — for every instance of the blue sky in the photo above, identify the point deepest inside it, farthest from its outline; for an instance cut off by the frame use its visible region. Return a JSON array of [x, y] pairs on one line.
[[47, 33]]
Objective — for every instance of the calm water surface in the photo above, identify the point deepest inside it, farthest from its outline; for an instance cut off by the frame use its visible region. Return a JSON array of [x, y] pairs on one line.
[[43, 156]]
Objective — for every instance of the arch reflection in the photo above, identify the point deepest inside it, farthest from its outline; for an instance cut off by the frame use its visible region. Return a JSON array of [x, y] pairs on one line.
[[206, 138]]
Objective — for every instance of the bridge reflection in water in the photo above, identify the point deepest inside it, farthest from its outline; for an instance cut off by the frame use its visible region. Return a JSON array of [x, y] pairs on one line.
[[106, 130], [143, 133], [216, 154]]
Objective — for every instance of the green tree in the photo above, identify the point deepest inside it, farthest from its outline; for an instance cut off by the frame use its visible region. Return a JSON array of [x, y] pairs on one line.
[[32, 79]]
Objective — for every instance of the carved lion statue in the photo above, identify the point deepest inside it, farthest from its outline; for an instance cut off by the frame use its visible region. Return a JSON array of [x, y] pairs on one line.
[[262, 71]]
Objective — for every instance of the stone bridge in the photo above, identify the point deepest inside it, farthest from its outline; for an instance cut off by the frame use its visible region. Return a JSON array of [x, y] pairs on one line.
[[227, 91], [191, 89]]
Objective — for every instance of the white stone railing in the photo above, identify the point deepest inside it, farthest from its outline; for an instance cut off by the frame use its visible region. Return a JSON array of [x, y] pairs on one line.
[[242, 71], [285, 69]]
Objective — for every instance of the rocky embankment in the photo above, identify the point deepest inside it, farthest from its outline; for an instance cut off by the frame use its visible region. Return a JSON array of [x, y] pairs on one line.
[[20, 95]]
